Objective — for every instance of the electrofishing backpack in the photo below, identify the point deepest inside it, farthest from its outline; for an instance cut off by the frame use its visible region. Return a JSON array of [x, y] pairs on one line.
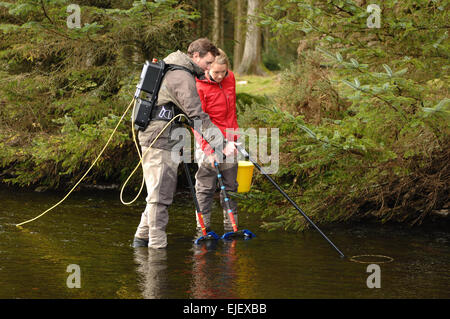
[[150, 82]]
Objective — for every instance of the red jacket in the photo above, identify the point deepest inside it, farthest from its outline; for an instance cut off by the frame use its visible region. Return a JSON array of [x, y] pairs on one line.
[[219, 102]]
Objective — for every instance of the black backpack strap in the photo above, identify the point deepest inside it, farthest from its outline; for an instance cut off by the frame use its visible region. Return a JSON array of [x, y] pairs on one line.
[[173, 67], [175, 110]]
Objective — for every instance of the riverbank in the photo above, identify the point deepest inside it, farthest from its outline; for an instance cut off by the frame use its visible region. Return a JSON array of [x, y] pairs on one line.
[[436, 220]]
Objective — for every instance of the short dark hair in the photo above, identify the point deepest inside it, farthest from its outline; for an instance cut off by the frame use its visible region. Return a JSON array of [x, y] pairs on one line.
[[202, 46]]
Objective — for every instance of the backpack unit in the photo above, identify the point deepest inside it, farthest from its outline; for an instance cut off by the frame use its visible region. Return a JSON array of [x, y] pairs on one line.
[[150, 82]]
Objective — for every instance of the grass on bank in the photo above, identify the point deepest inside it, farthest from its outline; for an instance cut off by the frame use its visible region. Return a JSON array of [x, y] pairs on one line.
[[258, 85]]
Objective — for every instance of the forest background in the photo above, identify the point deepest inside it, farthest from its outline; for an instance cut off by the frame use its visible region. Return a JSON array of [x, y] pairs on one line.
[[362, 102]]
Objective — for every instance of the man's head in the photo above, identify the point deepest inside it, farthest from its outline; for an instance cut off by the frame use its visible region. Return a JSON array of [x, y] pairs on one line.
[[203, 53]]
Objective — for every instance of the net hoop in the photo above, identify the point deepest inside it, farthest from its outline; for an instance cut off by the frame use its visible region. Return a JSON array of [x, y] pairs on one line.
[[386, 260]]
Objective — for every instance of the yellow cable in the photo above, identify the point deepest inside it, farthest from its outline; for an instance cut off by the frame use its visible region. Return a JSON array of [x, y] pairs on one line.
[[92, 165], [141, 160]]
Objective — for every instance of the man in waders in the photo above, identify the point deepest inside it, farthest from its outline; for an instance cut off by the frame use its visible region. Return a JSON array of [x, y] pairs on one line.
[[178, 90]]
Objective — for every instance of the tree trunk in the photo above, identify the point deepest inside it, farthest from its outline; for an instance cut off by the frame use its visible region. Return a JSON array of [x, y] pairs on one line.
[[238, 35], [251, 61], [204, 21], [222, 25], [217, 37]]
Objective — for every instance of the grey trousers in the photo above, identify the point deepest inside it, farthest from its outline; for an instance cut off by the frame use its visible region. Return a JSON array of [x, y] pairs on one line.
[[205, 187], [160, 173]]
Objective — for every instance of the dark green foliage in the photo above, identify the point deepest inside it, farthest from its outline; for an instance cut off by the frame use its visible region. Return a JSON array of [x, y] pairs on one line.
[[245, 99], [63, 89], [271, 61], [363, 115]]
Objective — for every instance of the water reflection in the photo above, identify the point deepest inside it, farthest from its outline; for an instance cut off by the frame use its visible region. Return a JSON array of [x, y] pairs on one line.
[[152, 267], [222, 269], [213, 270]]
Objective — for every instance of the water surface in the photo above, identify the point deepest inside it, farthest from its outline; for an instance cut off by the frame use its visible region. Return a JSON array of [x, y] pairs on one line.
[[94, 231]]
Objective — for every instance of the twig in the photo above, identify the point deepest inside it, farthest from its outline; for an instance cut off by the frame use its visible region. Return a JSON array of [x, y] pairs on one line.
[[45, 12]]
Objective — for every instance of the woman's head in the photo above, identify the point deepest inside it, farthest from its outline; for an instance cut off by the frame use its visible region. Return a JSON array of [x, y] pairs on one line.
[[219, 67]]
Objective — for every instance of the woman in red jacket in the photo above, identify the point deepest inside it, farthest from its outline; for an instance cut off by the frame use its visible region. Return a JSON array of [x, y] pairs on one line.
[[217, 91]]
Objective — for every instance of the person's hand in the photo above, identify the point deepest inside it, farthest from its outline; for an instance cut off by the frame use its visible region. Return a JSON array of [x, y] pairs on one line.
[[211, 158], [230, 149]]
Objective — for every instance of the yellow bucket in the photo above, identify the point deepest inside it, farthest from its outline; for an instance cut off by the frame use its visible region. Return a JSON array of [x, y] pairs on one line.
[[244, 176]]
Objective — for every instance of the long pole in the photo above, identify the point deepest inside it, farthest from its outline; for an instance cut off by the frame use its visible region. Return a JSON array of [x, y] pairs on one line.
[[197, 206], [244, 152], [226, 199]]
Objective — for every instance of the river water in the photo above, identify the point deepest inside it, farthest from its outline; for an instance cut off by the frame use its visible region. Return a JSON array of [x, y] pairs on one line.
[[93, 231]]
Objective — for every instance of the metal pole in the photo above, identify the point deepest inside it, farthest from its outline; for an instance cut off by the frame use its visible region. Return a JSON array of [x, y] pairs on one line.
[[197, 206], [225, 197], [244, 152]]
